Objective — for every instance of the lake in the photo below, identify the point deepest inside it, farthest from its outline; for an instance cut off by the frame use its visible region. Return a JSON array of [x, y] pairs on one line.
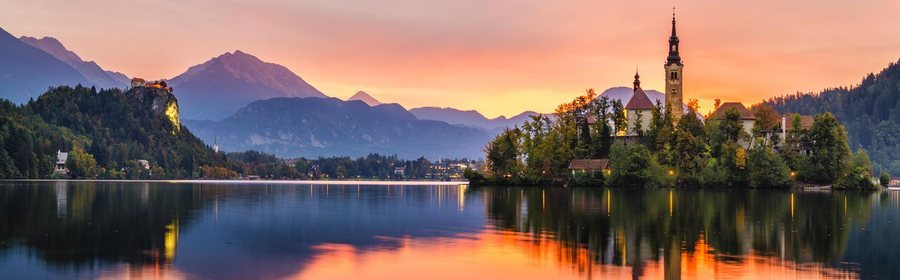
[[255, 230]]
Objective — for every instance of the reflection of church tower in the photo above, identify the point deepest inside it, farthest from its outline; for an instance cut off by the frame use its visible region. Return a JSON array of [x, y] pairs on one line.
[[674, 76]]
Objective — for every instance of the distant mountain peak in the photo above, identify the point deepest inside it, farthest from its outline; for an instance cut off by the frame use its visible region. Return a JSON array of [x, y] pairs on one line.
[[222, 85], [365, 97]]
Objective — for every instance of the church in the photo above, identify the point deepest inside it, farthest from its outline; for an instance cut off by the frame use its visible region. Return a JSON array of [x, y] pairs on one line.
[[639, 107]]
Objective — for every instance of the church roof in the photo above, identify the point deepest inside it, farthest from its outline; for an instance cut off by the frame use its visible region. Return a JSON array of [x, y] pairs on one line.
[[720, 113], [639, 99]]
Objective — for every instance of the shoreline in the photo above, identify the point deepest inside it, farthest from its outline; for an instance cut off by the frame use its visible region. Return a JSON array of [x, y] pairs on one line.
[[263, 182]]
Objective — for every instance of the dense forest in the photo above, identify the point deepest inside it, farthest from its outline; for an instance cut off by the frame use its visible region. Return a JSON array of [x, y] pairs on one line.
[[107, 133], [688, 152], [870, 111]]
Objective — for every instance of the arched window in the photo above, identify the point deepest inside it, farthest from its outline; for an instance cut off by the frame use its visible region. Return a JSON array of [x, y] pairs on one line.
[[673, 75]]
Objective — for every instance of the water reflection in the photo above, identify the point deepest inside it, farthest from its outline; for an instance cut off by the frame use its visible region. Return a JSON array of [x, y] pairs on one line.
[[694, 234], [232, 231]]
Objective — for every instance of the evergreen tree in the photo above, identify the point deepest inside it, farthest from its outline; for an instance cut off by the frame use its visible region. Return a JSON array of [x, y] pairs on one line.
[[830, 151]]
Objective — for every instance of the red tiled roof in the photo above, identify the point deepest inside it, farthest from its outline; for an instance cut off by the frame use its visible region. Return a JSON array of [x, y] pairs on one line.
[[639, 101], [720, 113]]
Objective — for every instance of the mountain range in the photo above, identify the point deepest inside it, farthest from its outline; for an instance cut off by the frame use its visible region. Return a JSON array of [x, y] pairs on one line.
[[312, 127]]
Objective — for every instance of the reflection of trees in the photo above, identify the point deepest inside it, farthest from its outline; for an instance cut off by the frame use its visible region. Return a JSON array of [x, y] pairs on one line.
[[632, 227], [80, 223]]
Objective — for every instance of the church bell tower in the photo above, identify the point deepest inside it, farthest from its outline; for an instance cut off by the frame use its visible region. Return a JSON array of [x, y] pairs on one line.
[[674, 76]]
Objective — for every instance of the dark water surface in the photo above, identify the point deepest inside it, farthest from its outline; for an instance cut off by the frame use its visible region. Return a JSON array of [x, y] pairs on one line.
[[106, 230]]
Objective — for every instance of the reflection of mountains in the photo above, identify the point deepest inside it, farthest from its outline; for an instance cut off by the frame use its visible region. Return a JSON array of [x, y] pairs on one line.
[[675, 229], [219, 231]]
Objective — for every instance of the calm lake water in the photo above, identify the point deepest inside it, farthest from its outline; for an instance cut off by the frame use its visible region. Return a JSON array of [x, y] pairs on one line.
[[112, 230]]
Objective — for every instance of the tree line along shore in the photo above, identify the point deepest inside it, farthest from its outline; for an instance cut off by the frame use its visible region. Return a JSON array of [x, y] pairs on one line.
[[688, 152]]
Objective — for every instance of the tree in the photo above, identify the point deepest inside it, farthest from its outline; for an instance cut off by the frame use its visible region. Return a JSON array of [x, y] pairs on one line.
[[731, 125], [884, 179], [656, 125], [767, 119], [638, 129], [689, 150], [830, 151], [629, 166], [733, 162], [502, 155], [767, 169], [857, 174], [81, 164], [601, 112], [618, 117]]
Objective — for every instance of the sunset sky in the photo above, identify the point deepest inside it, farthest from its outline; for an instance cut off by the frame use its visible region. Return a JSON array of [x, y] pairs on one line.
[[499, 56]]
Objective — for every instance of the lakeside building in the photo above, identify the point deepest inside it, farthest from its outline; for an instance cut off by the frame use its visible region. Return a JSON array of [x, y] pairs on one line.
[[589, 166], [447, 171], [748, 119], [60, 167], [400, 171]]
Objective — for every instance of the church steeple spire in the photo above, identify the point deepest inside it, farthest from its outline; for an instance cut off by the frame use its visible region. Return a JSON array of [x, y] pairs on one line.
[[674, 76], [674, 56], [673, 24], [637, 80]]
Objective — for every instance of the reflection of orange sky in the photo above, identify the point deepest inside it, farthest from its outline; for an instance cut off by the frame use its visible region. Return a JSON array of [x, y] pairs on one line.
[[504, 255], [500, 58], [507, 255], [702, 264], [483, 256]]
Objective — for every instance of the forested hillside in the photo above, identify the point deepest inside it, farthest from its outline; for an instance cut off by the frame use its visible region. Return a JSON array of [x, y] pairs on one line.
[[107, 132], [870, 111]]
